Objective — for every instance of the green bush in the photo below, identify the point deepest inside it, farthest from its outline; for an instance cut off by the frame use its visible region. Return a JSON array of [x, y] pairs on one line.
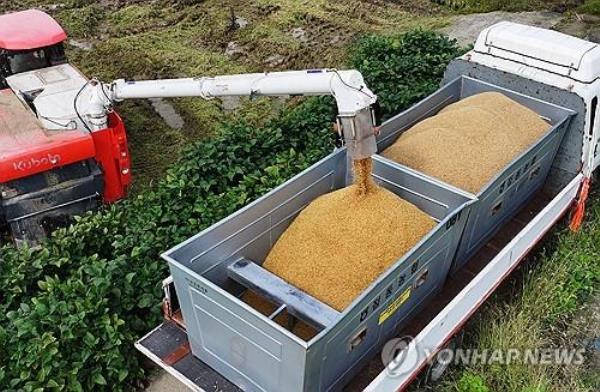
[[470, 382], [74, 308], [70, 312], [403, 69]]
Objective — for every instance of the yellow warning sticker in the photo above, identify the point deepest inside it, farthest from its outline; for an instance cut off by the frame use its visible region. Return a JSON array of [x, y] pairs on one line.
[[390, 310]]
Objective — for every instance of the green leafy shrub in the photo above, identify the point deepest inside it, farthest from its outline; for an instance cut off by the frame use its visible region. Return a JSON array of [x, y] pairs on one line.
[[470, 382], [73, 309], [403, 69], [68, 336]]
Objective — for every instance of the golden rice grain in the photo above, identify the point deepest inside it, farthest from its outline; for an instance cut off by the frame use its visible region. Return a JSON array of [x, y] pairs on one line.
[[470, 141], [342, 241]]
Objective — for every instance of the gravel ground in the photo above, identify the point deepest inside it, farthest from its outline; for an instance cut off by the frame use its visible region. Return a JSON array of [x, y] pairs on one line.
[[466, 28]]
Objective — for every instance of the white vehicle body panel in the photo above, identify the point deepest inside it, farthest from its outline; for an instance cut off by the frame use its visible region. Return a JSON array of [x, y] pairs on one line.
[[539, 48], [55, 89]]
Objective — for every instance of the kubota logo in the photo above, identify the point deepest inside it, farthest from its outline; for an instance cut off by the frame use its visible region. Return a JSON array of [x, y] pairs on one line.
[[30, 163]]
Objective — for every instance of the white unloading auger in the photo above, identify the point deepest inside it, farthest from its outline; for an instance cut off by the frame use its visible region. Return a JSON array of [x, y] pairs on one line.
[[354, 99]]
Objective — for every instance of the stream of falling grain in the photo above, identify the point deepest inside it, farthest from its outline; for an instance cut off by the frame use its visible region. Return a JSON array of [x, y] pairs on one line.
[[345, 239], [362, 176]]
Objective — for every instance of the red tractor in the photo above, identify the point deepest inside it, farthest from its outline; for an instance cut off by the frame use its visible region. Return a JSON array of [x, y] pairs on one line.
[[52, 164]]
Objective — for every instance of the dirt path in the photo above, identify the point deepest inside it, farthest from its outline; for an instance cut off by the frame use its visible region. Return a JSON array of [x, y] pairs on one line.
[[466, 28]]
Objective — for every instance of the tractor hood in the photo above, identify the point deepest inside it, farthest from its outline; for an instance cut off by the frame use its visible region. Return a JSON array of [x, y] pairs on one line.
[[29, 30], [27, 148]]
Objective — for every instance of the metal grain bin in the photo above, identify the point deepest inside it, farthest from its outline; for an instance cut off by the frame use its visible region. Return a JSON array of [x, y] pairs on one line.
[[258, 354], [501, 198]]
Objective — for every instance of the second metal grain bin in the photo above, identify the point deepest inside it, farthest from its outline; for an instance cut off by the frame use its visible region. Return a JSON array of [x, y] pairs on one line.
[[500, 199], [259, 354]]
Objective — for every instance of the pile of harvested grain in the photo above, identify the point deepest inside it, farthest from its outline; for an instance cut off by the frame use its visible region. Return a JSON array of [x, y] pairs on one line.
[[342, 241], [470, 141]]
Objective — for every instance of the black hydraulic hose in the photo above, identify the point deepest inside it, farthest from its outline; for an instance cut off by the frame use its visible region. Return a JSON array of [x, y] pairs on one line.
[[77, 110]]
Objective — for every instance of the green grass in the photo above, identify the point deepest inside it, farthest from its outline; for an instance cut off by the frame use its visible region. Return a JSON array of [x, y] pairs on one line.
[[590, 7], [83, 22], [473, 6]]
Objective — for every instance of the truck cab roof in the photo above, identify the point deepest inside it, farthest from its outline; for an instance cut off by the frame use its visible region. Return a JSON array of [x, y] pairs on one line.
[[28, 30], [551, 51]]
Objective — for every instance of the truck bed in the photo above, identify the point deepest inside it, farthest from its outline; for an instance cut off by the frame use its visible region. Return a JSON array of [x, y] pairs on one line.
[[168, 346]]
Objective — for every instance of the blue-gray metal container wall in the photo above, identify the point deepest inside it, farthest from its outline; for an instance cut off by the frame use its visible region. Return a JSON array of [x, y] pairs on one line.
[[258, 354], [502, 197]]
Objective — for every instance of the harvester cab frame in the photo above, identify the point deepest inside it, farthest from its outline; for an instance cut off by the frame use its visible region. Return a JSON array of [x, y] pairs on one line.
[[29, 40], [13, 62]]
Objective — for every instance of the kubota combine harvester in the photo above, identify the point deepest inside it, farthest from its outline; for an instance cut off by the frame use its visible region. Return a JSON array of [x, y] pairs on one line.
[[52, 164]]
